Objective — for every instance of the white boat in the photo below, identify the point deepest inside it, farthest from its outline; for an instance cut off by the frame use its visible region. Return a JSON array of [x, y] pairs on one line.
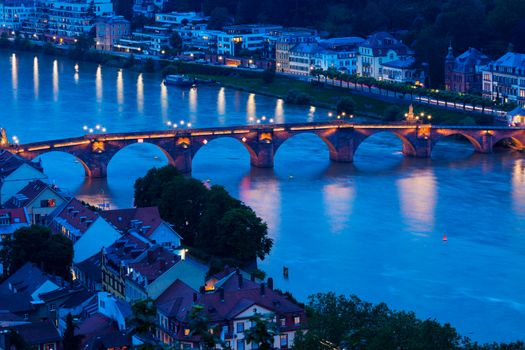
[[178, 80]]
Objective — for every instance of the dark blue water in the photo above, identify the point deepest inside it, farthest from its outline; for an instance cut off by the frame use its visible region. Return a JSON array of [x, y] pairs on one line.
[[372, 228]]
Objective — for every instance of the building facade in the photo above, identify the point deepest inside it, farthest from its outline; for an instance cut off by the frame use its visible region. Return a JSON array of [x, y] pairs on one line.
[[379, 48], [463, 73], [504, 79], [109, 30]]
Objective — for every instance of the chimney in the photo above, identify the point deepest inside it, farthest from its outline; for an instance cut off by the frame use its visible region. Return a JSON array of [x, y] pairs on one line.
[[221, 294], [194, 297], [270, 283], [263, 289], [240, 281]]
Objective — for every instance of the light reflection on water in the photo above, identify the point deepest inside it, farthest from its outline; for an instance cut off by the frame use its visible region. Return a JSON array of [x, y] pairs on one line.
[[373, 228]]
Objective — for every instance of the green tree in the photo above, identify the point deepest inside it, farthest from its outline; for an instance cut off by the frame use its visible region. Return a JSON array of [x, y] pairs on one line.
[[38, 245], [200, 326], [217, 203], [262, 331], [346, 105], [393, 113], [143, 319], [244, 235], [268, 75], [70, 341], [219, 18]]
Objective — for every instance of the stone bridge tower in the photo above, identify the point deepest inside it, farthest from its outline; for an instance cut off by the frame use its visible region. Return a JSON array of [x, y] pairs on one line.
[[4, 141]]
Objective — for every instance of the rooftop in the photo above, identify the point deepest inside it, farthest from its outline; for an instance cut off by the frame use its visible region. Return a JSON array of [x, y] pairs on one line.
[[38, 332], [10, 162], [29, 193], [76, 215], [26, 279], [142, 220]]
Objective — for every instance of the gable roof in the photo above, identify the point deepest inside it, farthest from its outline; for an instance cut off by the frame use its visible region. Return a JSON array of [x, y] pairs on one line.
[[29, 193], [382, 42], [154, 263], [38, 332], [176, 300], [18, 303], [74, 215], [26, 279], [511, 59], [92, 267], [468, 60], [16, 218], [10, 162], [143, 220]]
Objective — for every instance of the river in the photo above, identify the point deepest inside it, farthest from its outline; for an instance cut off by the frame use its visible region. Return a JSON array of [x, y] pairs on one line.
[[372, 228]]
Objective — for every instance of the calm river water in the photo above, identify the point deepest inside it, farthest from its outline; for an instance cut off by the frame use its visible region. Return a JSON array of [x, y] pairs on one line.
[[373, 228]]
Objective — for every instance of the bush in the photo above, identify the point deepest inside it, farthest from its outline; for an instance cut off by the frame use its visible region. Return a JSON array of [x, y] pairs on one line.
[[393, 113], [268, 75], [148, 66], [345, 105], [171, 69], [298, 97]]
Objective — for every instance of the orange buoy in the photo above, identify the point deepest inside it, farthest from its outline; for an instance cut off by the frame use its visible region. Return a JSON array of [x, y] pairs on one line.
[[445, 237]]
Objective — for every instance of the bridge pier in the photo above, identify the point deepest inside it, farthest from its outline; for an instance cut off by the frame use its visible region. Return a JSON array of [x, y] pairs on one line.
[[486, 142], [264, 157], [343, 146]]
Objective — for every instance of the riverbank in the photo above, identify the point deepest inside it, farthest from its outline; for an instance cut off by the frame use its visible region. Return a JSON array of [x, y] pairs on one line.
[[326, 96], [252, 81]]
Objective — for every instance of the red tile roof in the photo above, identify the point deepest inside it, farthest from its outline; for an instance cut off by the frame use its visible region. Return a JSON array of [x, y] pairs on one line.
[[14, 218], [29, 193], [144, 220], [154, 263], [38, 333], [77, 215], [97, 324], [176, 300]]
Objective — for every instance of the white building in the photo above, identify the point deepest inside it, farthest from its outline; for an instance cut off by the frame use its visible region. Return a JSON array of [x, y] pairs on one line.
[[16, 173], [40, 200], [403, 70], [249, 37], [13, 13], [379, 48], [88, 231], [504, 79], [180, 18], [69, 19]]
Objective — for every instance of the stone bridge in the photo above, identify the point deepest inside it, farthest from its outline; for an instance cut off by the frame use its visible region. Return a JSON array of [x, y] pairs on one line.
[[95, 151]]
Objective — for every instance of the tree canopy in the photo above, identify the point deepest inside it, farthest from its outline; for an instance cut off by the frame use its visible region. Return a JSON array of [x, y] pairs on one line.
[[54, 253], [209, 219], [339, 322]]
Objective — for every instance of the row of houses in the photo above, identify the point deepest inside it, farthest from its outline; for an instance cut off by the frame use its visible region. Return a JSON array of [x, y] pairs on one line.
[[501, 80], [122, 256]]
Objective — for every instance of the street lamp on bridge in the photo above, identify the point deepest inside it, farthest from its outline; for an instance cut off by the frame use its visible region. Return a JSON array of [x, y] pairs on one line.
[[97, 128]]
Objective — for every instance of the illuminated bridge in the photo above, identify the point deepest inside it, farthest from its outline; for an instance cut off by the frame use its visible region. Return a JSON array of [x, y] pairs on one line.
[[94, 151]]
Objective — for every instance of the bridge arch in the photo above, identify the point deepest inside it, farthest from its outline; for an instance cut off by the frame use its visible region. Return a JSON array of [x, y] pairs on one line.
[[136, 148], [200, 143], [85, 166], [516, 142], [308, 135], [476, 144], [408, 147]]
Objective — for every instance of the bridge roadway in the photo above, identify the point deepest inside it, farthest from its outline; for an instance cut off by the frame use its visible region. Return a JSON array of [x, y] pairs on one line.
[[94, 151]]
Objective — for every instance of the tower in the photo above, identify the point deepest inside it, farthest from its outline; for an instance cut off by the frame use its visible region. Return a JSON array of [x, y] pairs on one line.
[[4, 141], [449, 68]]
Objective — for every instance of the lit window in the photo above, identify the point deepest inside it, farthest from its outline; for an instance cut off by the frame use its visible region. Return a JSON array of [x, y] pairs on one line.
[[297, 320], [187, 331], [283, 322]]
